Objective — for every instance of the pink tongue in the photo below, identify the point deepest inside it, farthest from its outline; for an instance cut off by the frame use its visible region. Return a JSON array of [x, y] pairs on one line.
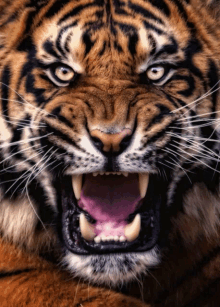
[[110, 199]]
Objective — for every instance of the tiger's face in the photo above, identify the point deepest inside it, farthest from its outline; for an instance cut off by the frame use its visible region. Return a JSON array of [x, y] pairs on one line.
[[105, 106]]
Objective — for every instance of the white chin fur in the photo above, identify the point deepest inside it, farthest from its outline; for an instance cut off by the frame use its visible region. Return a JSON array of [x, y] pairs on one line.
[[112, 269]]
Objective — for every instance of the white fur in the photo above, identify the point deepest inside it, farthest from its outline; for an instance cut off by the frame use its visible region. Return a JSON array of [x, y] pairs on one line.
[[112, 269]]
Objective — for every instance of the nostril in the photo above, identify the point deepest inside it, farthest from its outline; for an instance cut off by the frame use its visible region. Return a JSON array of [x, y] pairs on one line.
[[97, 142], [125, 142], [107, 142]]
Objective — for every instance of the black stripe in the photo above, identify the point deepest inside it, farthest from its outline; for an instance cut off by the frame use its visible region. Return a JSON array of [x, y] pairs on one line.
[[169, 49], [213, 77], [5, 92], [145, 13], [62, 31], [49, 48], [11, 18], [101, 52], [56, 112], [17, 134], [4, 273], [76, 11], [184, 15], [161, 5], [160, 134], [132, 43], [64, 137], [147, 25], [164, 112], [189, 80], [37, 92], [118, 5], [56, 8], [88, 43]]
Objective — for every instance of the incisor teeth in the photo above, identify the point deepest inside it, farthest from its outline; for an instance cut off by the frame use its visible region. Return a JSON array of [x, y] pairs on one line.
[[143, 184], [77, 185], [132, 230], [122, 239], [87, 229], [97, 239]]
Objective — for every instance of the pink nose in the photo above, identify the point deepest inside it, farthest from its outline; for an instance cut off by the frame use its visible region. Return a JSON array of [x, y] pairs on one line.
[[111, 142]]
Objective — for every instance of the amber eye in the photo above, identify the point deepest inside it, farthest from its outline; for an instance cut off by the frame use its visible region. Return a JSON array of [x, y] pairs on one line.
[[64, 73], [155, 73]]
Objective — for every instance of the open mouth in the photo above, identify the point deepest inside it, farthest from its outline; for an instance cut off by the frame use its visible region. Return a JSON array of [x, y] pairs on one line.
[[110, 212]]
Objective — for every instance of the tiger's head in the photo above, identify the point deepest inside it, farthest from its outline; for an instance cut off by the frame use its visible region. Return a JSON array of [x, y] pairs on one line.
[[109, 115]]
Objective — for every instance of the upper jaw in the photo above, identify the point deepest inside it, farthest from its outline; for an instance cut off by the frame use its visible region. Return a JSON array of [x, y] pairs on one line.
[[141, 229]]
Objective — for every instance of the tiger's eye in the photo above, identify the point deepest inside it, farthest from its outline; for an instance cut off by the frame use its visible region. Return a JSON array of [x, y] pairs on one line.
[[155, 73], [64, 73]]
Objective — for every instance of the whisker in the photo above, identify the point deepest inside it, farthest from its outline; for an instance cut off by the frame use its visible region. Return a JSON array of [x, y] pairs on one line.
[[208, 93], [25, 141], [32, 106], [195, 157], [198, 115]]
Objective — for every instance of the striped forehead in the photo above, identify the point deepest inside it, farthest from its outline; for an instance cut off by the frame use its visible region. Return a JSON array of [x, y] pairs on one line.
[[60, 43], [69, 35]]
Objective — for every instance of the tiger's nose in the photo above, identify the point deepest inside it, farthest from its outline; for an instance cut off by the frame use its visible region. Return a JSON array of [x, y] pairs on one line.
[[111, 142]]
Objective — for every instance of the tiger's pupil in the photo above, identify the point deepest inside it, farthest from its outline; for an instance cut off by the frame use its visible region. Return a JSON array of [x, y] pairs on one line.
[[64, 73], [155, 73]]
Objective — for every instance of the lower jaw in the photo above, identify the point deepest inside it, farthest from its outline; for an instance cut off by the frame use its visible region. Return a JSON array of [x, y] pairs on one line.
[[150, 213], [111, 270]]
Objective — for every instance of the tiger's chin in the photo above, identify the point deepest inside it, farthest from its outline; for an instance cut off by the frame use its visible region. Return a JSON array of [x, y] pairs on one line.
[[111, 225], [112, 269]]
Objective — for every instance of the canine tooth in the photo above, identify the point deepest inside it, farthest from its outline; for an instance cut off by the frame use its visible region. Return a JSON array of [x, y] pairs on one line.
[[87, 229], [97, 239], [77, 185], [143, 184], [116, 238], [122, 239], [125, 174], [132, 230]]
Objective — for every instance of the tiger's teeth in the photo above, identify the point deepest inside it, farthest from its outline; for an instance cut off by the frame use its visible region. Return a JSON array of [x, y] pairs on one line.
[[122, 239], [87, 229], [125, 174], [143, 184], [77, 185], [97, 239], [132, 230]]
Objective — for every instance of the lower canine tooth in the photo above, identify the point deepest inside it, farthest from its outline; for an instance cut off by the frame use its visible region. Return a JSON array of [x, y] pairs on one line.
[[143, 184], [87, 229], [77, 185], [132, 230], [97, 239]]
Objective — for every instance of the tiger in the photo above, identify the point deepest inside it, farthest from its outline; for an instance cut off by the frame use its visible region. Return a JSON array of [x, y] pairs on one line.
[[109, 143]]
